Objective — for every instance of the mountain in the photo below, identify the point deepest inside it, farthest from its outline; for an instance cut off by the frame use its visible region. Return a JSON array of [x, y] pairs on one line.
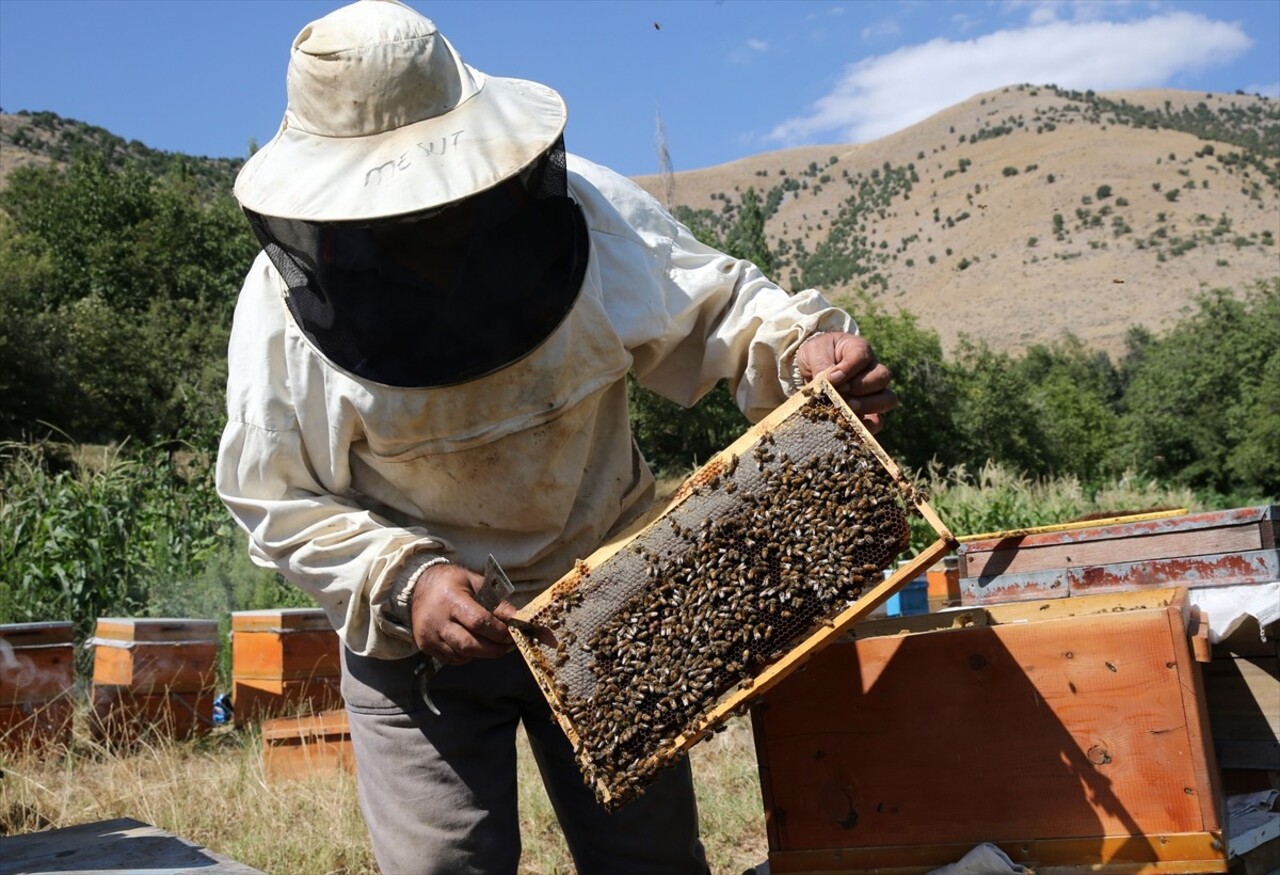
[[1011, 218], [45, 138], [1024, 212]]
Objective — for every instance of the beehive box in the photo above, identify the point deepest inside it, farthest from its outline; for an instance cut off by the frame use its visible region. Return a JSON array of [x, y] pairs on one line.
[[1216, 548], [766, 554], [1072, 733], [153, 675], [307, 745], [37, 677], [944, 583], [283, 660]]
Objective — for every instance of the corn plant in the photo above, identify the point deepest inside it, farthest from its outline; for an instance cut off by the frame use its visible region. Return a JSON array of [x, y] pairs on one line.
[[126, 534], [998, 498]]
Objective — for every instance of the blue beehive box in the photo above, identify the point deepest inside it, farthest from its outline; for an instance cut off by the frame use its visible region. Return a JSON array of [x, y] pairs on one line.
[[911, 599]]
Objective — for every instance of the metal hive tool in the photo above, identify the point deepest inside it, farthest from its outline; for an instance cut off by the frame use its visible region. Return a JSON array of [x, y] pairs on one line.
[[764, 555]]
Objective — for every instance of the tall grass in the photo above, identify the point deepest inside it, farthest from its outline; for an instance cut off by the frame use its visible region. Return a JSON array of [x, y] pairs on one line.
[[78, 541], [142, 533], [212, 791]]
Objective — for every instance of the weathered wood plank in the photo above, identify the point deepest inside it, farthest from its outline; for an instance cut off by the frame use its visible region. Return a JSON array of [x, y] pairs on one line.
[[1222, 569], [1200, 542], [1106, 855], [1263, 517], [1243, 697]]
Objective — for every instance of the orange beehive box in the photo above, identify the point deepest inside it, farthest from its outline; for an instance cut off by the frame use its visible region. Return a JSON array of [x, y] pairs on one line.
[[37, 676], [944, 583], [1071, 733], [153, 674], [283, 660], [160, 654], [307, 745]]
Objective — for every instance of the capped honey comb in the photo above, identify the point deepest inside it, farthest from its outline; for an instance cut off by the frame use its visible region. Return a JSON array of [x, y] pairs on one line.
[[765, 554]]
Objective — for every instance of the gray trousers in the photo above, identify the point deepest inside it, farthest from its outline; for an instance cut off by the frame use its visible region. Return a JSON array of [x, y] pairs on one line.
[[439, 793]]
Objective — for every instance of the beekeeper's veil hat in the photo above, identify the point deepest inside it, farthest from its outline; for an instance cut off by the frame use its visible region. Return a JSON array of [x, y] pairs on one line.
[[384, 119]]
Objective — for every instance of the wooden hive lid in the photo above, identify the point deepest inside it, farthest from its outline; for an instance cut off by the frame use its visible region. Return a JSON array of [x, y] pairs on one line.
[[37, 634], [157, 629], [281, 620], [1137, 525]]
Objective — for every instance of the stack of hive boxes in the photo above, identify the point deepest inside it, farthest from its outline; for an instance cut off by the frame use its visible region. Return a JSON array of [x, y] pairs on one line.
[[37, 679], [286, 673], [283, 661], [153, 676]]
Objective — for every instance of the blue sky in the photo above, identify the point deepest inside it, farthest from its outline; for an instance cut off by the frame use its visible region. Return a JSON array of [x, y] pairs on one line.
[[730, 77]]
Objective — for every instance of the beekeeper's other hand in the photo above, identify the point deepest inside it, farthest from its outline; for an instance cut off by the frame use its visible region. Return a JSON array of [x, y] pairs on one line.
[[853, 369]]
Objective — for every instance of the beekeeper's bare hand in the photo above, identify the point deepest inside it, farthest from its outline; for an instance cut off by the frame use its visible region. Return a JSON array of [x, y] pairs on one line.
[[854, 370], [448, 622]]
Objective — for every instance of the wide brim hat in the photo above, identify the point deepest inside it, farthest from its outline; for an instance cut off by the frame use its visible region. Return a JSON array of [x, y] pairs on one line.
[[384, 119]]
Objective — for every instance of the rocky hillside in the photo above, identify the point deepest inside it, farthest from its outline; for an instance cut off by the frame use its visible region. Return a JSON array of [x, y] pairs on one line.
[[1025, 212], [1011, 218]]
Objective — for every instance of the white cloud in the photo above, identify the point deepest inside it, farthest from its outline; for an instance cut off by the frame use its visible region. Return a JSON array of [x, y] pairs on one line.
[[1271, 89], [1041, 12], [747, 52], [886, 93], [834, 10], [883, 29]]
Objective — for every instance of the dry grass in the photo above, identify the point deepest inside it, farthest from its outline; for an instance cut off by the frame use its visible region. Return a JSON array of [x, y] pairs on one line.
[[213, 791]]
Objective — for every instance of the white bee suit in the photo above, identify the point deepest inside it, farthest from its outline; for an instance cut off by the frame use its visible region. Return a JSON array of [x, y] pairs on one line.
[[345, 485]]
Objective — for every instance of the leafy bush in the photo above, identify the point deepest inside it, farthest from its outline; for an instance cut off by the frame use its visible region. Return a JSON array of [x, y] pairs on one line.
[[118, 302], [1199, 404]]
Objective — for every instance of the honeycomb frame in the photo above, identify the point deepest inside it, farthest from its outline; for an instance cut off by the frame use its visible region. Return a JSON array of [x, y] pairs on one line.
[[637, 593]]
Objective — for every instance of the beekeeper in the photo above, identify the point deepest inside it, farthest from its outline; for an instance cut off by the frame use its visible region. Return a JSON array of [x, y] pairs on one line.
[[427, 366]]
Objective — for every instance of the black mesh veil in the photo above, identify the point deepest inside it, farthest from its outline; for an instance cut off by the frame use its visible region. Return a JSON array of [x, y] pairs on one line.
[[441, 297]]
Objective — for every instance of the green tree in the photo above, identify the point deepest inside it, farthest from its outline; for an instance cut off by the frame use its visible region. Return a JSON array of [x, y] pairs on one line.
[[117, 293], [1199, 400], [920, 429], [1254, 459], [31, 377], [992, 420], [1074, 391], [746, 239]]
